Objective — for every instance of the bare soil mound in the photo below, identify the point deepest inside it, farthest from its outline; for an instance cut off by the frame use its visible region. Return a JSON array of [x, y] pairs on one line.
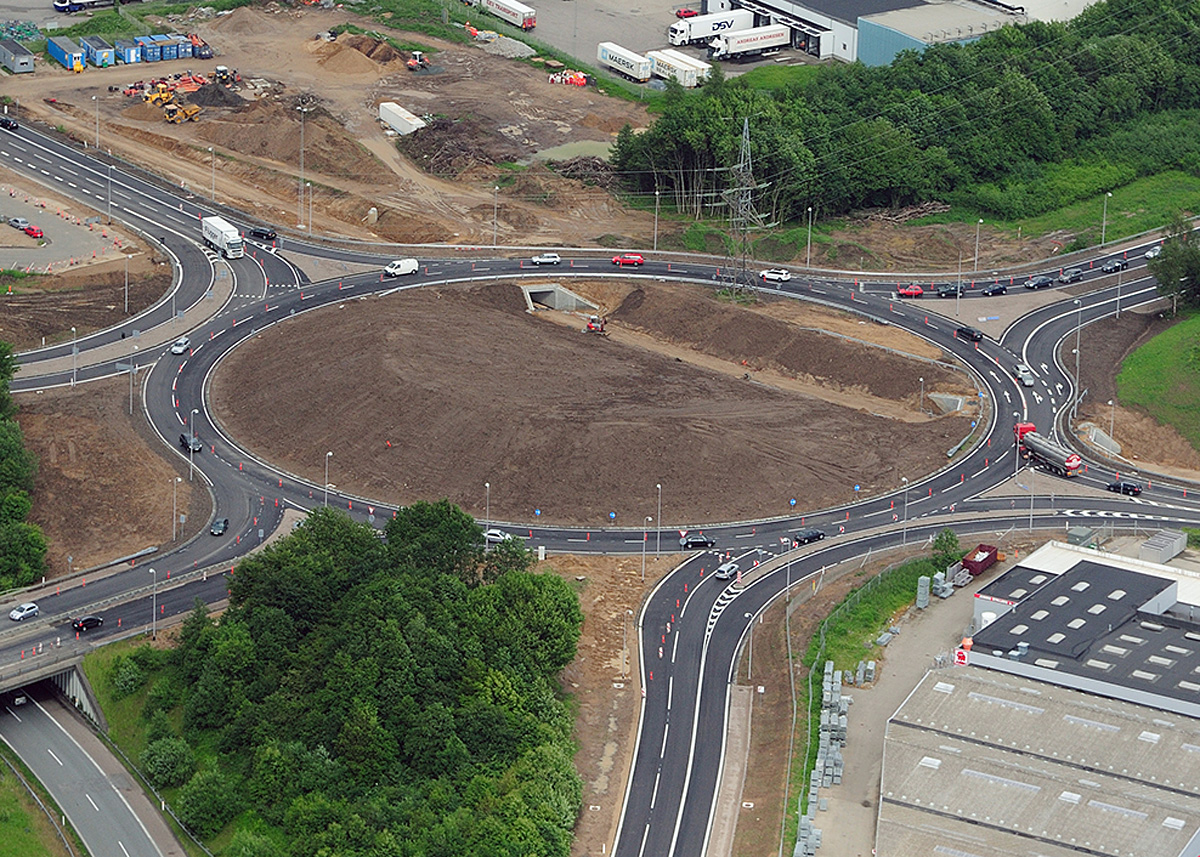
[[140, 111], [446, 390], [216, 95], [379, 51], [337, 58], [450, 147]]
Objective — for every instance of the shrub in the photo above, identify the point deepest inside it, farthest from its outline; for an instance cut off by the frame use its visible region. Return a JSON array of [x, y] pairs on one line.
[[168, 762], [128, 677], [207, 803]]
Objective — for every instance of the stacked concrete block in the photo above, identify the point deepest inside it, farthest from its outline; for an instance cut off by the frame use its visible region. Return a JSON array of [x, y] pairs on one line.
[[830, 764], [941, 588], [922, 592]]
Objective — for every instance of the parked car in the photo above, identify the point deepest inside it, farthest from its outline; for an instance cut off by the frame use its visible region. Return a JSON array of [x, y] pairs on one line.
[[181, 345], [776, 275], [546, 259], [912, 290], [219, 527], [399, 267], [624, 259], [1114, 265], [1071, 275], [21, 612], [726, 570], [34, 232], [8, 123], [950, 290], [1153, 252], [262, 233], [686, 13], [18, 222], [494, 536], [1039, 282], [808, 536], [995, 289], [86, 623], [971, 333], [1131, 488], [190, 442], [696, 540]]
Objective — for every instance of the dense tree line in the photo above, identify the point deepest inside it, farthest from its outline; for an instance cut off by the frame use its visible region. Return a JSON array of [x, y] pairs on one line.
[[1023, 121], [1177, 268], [22, 545], [368, 697]]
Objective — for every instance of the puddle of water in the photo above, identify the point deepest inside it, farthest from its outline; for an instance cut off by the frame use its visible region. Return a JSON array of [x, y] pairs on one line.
[[595, 148]]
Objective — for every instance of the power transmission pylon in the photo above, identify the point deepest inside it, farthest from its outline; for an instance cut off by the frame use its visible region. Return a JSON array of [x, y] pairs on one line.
[[743, 216]]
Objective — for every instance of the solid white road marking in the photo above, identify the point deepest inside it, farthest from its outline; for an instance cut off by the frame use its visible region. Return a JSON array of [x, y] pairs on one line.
[[55, 758]]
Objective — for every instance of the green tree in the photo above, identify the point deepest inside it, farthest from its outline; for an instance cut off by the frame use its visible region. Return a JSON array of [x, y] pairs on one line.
[[17, 464], [207, 802], [8, 368], [127, 677], [946, 550], [1177, 268], [168, 762]]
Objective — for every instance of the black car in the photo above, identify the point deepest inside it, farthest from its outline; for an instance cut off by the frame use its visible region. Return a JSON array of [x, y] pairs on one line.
[[1071, 275], [1114, 265], [8, 123], [262, 233], [1130, 488], [696, 540], [190, 443], [971, 333], [219, 526], [805, 537], [86, 623], [1039, 282], [995, 289], [950, 290]]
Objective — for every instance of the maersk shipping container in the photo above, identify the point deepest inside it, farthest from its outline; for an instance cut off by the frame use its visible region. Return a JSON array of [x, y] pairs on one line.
[[98, 52], [168, 49], [66, 52], [15, 57], [151, 52], [127, 51]]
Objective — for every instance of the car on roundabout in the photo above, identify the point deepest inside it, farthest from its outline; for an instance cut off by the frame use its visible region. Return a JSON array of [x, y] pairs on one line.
[[726, 571], [951, 290], [912, 290], [972, 333], [190, 442], [546, 259], [693, 541], [219, 527], [807, 537], [1131, 489], [181, 345], [262, 233], [776, 275]]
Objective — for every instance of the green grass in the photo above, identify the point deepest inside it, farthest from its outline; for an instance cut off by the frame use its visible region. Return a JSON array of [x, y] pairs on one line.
[[1162, 378], [24, 828], [773, 77], [126, 727]]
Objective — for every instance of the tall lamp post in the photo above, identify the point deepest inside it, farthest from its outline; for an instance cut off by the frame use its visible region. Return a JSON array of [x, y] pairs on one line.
[[495, 210], [645, 538], [328, 456], [126, 255], [922, 379], [212, 160], [1017, 448], [174, 506], [978, 223], [1104, 219], [487, 505], [656, 218], [74, 355], [309, 186], [303, 112], [808, 246], [1078, 328], [658, 531], [154, 608], [192, 441], [96, 101], [904, 526], [1112, 419], [625, 620], [110, 194]]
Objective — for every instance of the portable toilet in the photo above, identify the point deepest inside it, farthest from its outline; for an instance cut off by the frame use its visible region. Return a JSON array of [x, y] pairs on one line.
[[127, 51], [15, 57], [151, 52], [98, 52], [66, 52]]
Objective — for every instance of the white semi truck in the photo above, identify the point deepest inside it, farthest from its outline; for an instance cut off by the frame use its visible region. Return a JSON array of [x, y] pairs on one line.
[[222, 236], [745, 44], [517, 14], [702, 28], [672, 65], [624, 61]]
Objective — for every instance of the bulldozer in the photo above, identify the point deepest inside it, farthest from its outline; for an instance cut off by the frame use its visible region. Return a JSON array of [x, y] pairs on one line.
[[180, 113], [596, 325], [225, 75], [418, 61], [160, 96]]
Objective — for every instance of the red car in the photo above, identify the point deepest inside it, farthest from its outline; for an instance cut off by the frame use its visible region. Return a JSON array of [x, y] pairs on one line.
[[33, 232], [624, 259], [912, 290], [686, 13]]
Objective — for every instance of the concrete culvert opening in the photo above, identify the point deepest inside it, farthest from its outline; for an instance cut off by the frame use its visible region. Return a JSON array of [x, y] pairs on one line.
[[554, 296]]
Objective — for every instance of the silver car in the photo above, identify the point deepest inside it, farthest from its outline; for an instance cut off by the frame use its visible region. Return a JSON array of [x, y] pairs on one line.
[[28, 610], [726, 571], [181, 345]]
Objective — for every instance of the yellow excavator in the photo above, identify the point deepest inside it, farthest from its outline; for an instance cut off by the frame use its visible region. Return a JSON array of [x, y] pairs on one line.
[[159, 96], [180, 113]]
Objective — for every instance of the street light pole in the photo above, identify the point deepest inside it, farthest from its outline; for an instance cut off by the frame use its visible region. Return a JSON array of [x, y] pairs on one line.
[[154, 608], [495, 209], [808, 246], [328, 455], [658, 530], [1078, 328], [656, 219], [174, 506], [904, 526], [212, 160], [132, 370], [922, 394], [309, 185], [96, 101], [74, 351], [487, 504], [192, 441], [126, 255], [625, 620], [300, 213], [110, 194], [978, 223], [645, 538], [1119, 273], [1104, 219], [1112, 418]]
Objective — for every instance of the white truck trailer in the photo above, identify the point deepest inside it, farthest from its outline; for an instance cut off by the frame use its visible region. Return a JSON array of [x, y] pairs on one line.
[[703, 69], [517, 14], [702, 28], [623, 61], [671, 65], [222, 236], [745, 44]]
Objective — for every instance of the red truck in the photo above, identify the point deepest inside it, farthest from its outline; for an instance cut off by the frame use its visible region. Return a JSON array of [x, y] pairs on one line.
[[980, 559], [1042, 450]]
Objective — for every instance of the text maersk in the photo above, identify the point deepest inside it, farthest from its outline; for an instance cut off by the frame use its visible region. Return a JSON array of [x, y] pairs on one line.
[[619, 60]]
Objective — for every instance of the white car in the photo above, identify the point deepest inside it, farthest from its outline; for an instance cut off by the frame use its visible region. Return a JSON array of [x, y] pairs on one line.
[[1026, 379], [726, 571], [1153, 252], [547, 259], [777, 275], [28, 610], [181, 345], [400, 267], [494, 537]]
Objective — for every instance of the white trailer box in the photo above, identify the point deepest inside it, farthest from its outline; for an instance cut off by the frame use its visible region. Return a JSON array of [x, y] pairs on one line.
[[668, 67], [624, 61], [517, 14], [702, 28], [222, 236], [702, 68], [399, 119], [750, 43]]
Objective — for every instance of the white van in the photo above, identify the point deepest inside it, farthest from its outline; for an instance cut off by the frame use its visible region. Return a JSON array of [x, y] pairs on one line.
[[401, 266]]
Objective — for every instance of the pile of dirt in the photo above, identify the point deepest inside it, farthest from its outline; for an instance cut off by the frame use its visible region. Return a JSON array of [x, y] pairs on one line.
[[216, 95], [142, 111], [450, 147], [379, 51], [589, 170], [336, 58]]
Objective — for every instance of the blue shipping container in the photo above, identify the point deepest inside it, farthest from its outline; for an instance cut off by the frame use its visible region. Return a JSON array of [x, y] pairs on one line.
[[98, 52], [185, 46], [128, 51], [167, 46], [65, 52], [151, 52]]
